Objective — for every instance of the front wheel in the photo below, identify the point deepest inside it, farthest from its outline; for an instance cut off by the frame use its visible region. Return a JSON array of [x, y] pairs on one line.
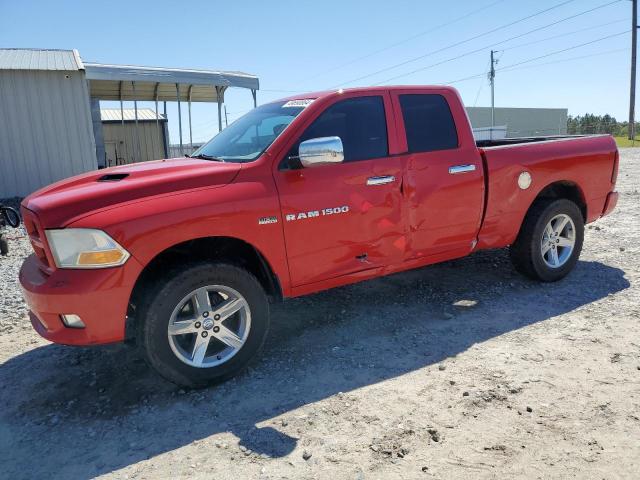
[[550, 240], [203, 324]]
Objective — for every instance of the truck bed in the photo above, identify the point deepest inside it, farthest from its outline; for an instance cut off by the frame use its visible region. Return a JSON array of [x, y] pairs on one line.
[[586, 162], [519, 140]]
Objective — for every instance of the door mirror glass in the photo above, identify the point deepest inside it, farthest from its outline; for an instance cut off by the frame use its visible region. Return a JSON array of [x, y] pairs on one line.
[[321, 151]]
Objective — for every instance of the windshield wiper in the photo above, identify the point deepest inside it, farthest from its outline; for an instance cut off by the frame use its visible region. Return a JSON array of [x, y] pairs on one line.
[[202, 156]]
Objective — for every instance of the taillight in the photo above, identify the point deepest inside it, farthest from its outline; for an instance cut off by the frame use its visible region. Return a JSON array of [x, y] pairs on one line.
[[616, 162]]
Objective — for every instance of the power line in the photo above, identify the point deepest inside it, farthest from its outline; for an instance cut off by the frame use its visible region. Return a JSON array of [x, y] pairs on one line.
[[567, 49], [502, 27], [608, 52], [471, 52], [510, 68], [517, 66], [543, 27], [480, 88], [464, 79], [593, 27], [402, 42]]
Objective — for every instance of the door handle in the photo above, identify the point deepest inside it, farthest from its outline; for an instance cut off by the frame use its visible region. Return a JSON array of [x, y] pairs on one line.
[[456, 169], [380, 180]]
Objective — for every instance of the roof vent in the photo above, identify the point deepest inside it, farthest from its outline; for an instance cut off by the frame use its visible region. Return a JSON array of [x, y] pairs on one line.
[[113, 177]]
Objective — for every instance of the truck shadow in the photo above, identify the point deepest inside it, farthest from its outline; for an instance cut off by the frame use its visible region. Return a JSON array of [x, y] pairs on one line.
[[84, 412]]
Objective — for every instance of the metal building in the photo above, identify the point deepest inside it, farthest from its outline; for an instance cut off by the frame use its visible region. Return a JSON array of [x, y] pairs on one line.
[[521, 122], [45, 121], [50, 121], [126, 141]]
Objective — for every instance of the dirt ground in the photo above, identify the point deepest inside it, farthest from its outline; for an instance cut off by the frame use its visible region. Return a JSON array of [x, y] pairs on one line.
[[460, 370]]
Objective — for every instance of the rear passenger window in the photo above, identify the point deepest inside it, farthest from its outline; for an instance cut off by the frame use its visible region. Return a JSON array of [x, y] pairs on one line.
[[361, 124], [428, 123]]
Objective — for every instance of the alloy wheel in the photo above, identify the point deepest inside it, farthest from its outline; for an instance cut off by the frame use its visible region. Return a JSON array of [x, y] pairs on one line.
[[558, 241], [209, 326]]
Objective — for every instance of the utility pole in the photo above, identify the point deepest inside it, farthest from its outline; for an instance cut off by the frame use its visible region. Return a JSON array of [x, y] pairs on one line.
[[632, 93], [492, 80], [226, 119]]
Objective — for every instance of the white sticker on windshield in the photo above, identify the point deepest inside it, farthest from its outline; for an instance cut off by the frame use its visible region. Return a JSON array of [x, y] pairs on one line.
[[298, 103]]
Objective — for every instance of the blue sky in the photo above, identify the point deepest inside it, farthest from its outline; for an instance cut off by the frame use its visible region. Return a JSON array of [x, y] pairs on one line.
[[297, 46]]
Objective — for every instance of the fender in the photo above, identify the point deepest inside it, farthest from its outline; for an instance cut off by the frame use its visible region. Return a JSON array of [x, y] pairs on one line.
[[234, 210]]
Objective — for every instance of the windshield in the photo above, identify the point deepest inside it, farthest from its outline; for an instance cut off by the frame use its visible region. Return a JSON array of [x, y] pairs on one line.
[[246, 138]]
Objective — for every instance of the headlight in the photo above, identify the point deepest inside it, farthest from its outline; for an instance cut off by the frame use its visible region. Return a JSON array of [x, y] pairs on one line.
[[85, 248]]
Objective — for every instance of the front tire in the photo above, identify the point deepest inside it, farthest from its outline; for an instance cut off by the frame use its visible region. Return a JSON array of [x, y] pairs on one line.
[[203, 324], [550, 240]]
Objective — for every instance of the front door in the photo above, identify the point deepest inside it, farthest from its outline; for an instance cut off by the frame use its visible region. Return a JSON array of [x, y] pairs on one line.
[[346, 217]]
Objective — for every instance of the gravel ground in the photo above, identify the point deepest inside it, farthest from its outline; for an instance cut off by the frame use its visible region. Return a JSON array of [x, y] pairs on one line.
[[459, 370]]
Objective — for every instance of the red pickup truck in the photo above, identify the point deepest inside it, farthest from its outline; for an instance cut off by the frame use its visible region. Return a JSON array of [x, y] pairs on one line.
[[183, 256]]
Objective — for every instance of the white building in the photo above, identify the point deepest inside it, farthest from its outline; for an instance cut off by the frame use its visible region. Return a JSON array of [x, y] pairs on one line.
[[50, 122], [521, 122]]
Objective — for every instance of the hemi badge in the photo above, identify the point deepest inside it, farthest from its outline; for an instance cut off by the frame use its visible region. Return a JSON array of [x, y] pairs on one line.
[[267, 220]]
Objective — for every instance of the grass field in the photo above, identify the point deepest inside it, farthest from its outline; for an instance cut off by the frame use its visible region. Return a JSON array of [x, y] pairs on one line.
[[625, 142]]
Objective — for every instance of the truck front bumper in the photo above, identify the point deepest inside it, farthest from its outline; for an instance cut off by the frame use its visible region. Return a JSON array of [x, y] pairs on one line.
[[99, 297]]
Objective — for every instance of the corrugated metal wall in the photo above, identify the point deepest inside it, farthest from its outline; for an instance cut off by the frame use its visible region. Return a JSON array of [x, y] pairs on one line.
[[522, 122], [45, 129], [122, 141], [176, 152]]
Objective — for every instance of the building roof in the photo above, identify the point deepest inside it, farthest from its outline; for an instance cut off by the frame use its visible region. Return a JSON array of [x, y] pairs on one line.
[[130, 82], [144, 115], [39, 59], [116, 82]]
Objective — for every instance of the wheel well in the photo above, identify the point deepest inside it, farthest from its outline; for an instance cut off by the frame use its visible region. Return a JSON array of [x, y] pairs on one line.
[[224, 249], [565, 189]]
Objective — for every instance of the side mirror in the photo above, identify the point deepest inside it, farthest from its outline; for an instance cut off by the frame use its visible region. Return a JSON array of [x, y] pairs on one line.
[[321, 151]]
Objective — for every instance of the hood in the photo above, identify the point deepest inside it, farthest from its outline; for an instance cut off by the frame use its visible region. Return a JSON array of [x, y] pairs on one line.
[[68, 200]]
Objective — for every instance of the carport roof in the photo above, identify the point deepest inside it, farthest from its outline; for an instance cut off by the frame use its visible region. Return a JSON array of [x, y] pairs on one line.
[[129, 114], [129, 82]]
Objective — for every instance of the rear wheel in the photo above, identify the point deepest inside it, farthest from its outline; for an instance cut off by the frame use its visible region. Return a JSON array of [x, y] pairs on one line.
[[203, 324], [550, 240]]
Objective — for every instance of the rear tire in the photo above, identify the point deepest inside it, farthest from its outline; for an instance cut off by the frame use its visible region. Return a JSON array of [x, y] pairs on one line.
[[202, 324], [541, 252]]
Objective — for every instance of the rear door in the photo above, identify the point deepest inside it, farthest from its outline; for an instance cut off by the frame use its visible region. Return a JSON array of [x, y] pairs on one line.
[[444, 183], [344, 218]]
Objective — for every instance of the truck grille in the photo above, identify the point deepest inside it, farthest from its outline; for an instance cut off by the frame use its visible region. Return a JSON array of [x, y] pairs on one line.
[[37, 238]]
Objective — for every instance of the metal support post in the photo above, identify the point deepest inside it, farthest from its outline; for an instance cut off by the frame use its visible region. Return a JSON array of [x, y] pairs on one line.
[[190, 130], [135, 108], [179, 117], [219, 99]]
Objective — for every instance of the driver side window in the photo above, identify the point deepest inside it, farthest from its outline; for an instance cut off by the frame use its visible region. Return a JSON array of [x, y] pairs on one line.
[[359, 122]]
